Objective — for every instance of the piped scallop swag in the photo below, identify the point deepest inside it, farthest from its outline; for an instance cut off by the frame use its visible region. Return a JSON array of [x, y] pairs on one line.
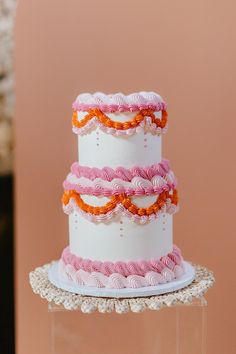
[[166, 202], [143, 120], [97, 106]]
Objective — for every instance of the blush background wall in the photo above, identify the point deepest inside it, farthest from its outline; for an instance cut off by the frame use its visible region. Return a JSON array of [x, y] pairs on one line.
[[183, 49]]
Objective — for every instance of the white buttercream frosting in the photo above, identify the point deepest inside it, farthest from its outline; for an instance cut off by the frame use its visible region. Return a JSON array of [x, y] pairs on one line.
[[137, 98]]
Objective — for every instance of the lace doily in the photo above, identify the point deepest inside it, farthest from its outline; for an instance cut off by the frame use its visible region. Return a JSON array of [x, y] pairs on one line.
[[204, 279]]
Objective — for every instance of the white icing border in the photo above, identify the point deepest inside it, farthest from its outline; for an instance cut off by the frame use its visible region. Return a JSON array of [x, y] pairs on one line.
[[136, 98]]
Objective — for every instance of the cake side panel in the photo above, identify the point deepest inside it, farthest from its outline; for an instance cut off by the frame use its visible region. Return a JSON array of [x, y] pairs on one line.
[[100, 149], [121, 239]]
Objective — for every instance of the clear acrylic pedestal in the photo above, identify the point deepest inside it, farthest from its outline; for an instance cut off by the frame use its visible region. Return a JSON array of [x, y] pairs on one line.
[[180, 329]]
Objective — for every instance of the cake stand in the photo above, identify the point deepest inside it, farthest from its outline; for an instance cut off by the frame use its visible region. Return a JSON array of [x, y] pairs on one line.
[[39, 280]]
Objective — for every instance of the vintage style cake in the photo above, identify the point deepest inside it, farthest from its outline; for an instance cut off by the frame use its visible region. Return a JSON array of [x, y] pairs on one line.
[[120, 196]]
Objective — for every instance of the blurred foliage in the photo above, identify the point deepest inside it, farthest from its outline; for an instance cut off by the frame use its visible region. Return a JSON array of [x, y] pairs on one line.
[[7, 15]]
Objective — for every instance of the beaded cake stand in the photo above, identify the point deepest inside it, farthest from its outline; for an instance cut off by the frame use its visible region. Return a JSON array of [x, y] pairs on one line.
[[204, 279]]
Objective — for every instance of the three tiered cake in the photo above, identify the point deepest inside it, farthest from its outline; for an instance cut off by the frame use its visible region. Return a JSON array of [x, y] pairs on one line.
[[120, 199]]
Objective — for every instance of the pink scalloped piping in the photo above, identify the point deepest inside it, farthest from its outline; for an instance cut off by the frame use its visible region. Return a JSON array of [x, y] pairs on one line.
[[116, 280], [111, 108], [137, 186], [168, 208], [107, 192], [126, 174], [118, 102], [125, 269]]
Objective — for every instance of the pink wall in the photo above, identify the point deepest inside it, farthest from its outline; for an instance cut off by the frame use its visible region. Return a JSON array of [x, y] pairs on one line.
[[183, 49]]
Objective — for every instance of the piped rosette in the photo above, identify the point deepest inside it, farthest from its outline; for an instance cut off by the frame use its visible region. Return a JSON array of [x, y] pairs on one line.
[[118, 275], [119, 186], [98, 109]]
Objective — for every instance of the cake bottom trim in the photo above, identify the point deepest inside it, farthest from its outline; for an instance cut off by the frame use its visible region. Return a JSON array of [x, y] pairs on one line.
[[192, 285], [120, 275], [124, 268], [116, 280]]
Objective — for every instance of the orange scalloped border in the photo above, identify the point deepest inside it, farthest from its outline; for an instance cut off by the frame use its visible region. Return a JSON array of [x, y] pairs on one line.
[[124, 200], [106, 121]]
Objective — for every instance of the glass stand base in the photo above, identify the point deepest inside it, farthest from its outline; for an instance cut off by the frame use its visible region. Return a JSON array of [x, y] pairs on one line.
[[180, 329]]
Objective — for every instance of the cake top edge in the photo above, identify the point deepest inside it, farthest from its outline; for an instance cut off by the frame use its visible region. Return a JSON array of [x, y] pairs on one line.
[[119, 101]]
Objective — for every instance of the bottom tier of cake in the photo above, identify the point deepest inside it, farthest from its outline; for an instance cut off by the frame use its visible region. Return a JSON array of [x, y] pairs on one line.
[[120, 275]]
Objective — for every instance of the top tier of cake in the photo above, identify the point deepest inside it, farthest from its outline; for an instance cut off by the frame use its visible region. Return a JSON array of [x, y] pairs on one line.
[[118, 130]]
